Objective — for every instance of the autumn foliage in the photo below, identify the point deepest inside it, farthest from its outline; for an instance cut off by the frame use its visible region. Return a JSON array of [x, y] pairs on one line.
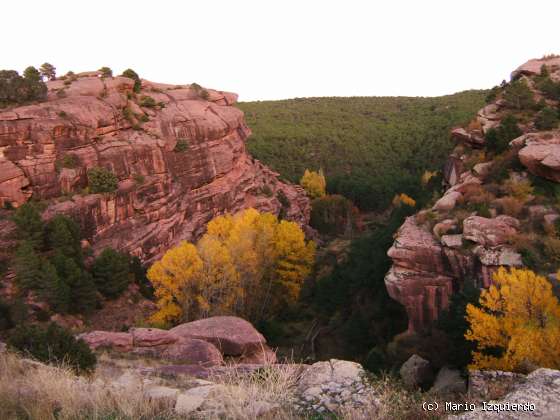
[[314, 183], [517, 325], [249, 264]]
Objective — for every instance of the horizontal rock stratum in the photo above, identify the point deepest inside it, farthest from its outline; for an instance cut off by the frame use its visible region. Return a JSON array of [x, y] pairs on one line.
[[165, 194]]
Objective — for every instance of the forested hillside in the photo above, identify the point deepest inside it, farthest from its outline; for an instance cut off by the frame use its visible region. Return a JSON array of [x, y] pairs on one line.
[[368, 147]]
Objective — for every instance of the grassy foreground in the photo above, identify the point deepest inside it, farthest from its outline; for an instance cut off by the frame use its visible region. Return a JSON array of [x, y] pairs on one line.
[[32, 390]]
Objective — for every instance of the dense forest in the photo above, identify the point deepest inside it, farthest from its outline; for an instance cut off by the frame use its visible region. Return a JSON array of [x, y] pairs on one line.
[[368, 147]]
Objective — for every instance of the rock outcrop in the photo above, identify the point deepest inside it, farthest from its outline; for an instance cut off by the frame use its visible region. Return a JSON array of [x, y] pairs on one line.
[[165, 193], [204, 343], [232, 335], [540, 153], [478, 223], [536, 396]]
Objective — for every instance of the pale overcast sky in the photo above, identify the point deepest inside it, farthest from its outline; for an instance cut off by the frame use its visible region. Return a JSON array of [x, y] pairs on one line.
[[283, 49]]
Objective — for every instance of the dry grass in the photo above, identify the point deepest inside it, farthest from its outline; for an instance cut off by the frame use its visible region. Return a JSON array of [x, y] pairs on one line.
[[31, 390]]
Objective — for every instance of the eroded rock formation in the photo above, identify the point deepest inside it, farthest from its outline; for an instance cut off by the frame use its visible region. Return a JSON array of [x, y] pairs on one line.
[[165, 193], [467, 240]]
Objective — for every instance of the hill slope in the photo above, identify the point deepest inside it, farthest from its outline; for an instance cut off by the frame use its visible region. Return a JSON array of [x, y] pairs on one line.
[[369, 147]]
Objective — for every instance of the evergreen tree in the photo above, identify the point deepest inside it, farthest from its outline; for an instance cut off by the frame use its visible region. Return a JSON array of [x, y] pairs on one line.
[[63, 236], [454, 324], [83, 294], [48, 71], [55, 290], [27, 267], [547, 119], [111, 272], [131, 74], [29, 224], [35, 88], [106, 71]]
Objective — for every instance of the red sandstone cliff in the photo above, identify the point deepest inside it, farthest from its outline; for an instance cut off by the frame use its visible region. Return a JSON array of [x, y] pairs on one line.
[[163, 195], [436, 251]]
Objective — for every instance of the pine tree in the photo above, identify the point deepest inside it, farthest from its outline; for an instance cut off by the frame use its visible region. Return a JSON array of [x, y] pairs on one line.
[[29, 224], [111, 272], [54, 290], [63, 236], [131, 74], [83, 294], [48, 71], [27, 267]]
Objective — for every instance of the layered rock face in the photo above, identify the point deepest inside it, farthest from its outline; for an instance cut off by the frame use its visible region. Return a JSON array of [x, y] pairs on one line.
[[165, 194]]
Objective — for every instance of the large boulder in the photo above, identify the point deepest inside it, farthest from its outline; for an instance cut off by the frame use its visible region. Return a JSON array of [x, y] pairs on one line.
[[193, 351], [148, 337], [416, 372], [449, 381], [533, 67], [332, 385], [490, 232], [232, 335], [448, 201], [536, 396], [541, 155], [474, 139], [118, 341]]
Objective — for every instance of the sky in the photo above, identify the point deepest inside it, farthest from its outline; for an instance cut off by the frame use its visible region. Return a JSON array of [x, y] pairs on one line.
[[266, 49]]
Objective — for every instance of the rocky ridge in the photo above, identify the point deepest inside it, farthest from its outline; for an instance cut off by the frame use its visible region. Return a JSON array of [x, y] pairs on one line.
[[166, 193], [472, 229]]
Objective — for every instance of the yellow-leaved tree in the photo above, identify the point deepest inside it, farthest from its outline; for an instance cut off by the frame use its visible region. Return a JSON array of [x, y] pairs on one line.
[[517, 325], [314, 183], [176, 279], [249, 264]]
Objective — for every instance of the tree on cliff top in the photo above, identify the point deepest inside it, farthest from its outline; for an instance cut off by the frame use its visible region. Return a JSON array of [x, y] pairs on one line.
[[48, 70], [517, 326], [131, 74]]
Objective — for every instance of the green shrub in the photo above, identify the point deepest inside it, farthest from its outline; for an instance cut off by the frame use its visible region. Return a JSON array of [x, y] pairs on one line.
[[62, 114], [181, 146], [53, 345], [547, 119], [497, 139], [111, 272], [138, 178], [333, 214], [131, 74], [6, 321], [493, 94], [101, 180], [549, 88], [106, 72], [518, 95], [147, 101], [69, 161], [15, 89]]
